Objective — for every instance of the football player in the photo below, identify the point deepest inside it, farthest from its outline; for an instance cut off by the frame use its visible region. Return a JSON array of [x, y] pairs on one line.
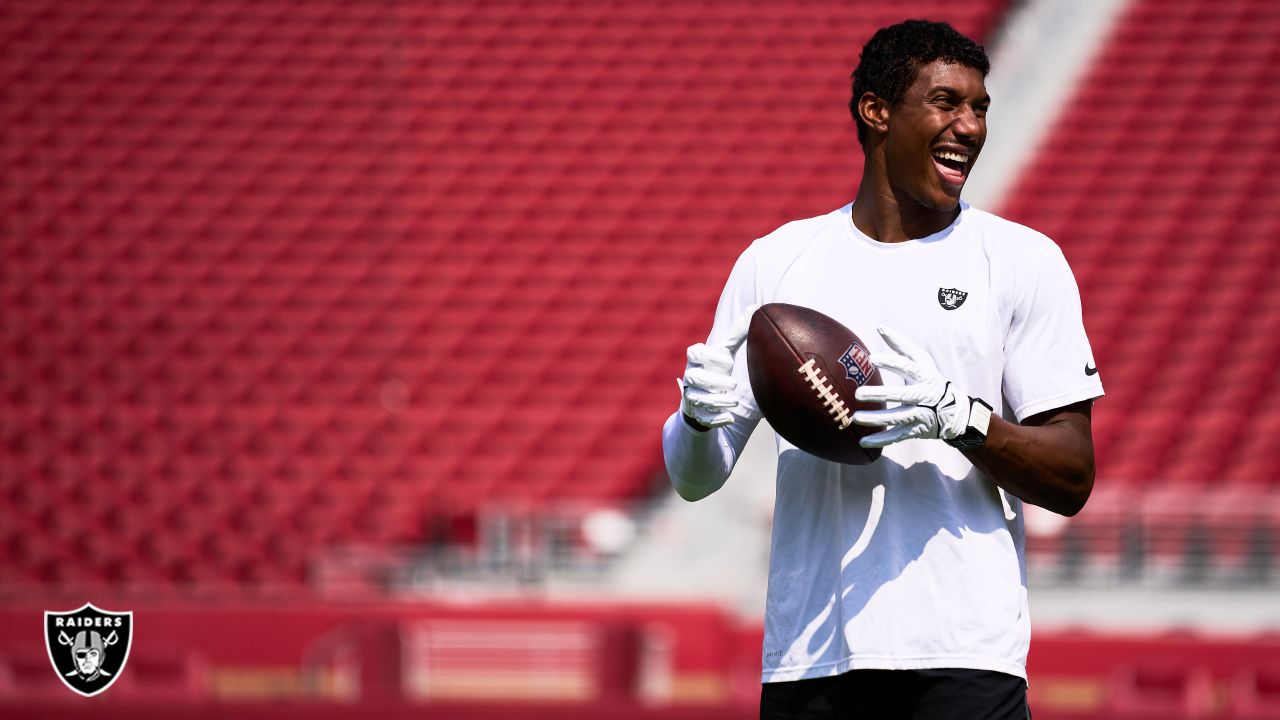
[[898, 589]]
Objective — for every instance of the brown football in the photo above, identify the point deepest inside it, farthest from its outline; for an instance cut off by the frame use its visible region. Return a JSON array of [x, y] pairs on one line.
[[804, 367]]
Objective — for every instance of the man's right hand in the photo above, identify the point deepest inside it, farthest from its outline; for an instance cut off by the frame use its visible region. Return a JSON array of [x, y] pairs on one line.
[[707, 389]]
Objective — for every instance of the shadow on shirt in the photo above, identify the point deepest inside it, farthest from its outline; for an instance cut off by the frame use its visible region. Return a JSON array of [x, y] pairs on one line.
[[889, 560]]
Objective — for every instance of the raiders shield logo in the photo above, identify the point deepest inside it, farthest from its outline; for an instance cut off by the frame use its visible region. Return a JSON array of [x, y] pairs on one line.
[[88, 647], [951, 298]]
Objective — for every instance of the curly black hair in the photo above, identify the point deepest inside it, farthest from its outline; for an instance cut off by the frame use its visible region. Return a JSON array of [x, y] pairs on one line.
[[894, 55]]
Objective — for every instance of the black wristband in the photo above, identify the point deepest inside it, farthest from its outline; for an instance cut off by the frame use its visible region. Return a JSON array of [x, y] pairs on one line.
[[697, 426], [975, 432]]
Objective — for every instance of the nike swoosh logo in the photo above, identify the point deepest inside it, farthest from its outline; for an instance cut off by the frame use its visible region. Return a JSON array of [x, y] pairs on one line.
[[1090, 369]]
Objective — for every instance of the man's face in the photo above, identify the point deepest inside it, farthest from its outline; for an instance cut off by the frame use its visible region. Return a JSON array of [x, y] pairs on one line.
[[87, 660], [936, 133]]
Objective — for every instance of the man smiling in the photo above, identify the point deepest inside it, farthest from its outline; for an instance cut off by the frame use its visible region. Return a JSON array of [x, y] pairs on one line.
[[898, 589]]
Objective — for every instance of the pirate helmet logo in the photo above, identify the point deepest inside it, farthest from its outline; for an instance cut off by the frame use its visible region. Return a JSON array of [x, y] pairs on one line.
[[951, 298], [88, 646]]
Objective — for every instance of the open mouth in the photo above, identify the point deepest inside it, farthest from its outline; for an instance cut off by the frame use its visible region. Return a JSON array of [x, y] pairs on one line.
[[952, 165]]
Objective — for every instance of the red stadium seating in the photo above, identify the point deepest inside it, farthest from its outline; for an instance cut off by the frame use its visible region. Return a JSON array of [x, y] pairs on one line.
[[1168, 219], [283, 276], [1155, 183], [279, 279]]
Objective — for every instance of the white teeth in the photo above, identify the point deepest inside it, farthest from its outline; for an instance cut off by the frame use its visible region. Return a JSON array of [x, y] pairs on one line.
[[949, 155]]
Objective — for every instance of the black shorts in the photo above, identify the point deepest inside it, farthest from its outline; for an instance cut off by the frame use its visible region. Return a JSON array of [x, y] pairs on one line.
[[899, 695]]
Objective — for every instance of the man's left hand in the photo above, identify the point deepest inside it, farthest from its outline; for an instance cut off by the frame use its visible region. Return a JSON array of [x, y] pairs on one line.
[[930, 406]]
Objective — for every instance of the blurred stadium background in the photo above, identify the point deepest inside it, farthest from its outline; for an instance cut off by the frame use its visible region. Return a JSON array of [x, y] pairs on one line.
[[337, 337]]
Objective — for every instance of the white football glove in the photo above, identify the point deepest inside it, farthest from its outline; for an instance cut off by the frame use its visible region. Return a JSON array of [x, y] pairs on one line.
[[706, 390], [930, 405]]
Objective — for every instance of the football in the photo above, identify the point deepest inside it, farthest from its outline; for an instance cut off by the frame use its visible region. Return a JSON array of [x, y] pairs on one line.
[[804, 367]]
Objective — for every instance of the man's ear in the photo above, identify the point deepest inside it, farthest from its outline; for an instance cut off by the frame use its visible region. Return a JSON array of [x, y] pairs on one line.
[[874, 112]]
